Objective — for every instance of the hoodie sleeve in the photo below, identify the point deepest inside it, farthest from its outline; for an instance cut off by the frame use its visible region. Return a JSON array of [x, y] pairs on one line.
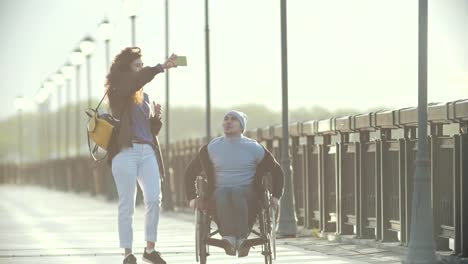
[[130, 82], [277, 175], [270, 165]]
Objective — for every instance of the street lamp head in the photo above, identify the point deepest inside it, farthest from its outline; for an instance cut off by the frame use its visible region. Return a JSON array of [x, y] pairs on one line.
[[43, 93], [105, 30], [67, 71], [77, 57], [58, 79], [20, 103], [87, 46], [41, 96], [49, 86], [132, 7]]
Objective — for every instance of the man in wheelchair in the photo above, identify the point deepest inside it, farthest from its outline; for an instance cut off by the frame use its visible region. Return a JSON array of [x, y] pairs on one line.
[[234, 166]]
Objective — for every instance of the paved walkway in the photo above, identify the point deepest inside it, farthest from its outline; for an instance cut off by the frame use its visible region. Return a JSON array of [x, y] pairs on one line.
[[46, 226]]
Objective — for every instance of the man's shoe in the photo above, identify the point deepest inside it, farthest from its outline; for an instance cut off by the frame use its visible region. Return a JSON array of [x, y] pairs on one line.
[[153, 257], [130, 259], [229, 246], [244, 248]]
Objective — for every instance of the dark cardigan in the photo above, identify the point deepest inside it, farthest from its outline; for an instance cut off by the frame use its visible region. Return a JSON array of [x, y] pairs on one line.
[[120, 96]]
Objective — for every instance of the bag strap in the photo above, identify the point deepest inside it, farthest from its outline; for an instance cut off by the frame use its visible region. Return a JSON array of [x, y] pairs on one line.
[[97, 107], [102, 99], [94, 151]]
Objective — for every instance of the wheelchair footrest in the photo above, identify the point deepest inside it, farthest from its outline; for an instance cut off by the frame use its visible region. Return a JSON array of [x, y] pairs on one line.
[[219, 243], [255, 241], [215, 242]]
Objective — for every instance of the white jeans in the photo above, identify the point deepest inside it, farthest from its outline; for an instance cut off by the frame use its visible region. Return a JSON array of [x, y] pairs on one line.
[[130, 165]]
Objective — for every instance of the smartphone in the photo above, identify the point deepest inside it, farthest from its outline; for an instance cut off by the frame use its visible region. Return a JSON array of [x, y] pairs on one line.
[[181, 61]]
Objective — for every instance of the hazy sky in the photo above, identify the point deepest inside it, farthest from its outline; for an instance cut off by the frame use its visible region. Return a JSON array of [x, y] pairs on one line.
[[342, 53]]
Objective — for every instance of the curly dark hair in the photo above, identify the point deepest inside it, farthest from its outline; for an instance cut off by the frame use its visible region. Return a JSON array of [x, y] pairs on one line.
[[121, 64]]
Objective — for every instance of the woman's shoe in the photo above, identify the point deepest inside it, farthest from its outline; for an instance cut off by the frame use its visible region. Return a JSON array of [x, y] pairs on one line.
[[153, 257], [130, 259]]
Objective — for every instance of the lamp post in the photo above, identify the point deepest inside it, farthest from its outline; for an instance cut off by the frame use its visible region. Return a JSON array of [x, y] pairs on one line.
[[42, 100], [87, 47], [20, 104], [207, 61], [39, 98], [132, 8], [105, 33], [287, 225], [167, 201], [67, 71], [77, 60], [49, 87], [421, 244], [58, 81]]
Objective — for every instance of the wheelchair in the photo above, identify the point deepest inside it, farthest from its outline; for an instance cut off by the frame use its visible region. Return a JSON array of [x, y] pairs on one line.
[[264, 230]]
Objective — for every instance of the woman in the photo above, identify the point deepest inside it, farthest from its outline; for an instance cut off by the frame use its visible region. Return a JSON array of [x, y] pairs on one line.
[[134, 153]]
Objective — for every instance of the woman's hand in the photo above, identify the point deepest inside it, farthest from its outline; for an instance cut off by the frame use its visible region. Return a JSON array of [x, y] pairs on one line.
[[171, 62], [157, 110]]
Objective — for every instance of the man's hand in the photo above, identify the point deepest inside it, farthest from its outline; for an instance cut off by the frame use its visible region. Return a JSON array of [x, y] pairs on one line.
[[192, 203], [198, 203]]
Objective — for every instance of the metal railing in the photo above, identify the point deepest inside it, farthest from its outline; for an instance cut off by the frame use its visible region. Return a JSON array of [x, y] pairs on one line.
[[352, 175]]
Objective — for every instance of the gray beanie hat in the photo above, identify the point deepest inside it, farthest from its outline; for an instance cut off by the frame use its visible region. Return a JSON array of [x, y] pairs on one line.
[[240, 116]]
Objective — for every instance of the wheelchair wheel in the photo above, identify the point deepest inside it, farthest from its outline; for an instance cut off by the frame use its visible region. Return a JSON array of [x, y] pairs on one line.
[[201, 233], [203, 221], [265, 231], [269, 218]]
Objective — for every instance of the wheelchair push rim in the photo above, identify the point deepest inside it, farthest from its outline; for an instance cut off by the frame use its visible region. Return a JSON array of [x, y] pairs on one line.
[[197, 234], [273, 231]]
